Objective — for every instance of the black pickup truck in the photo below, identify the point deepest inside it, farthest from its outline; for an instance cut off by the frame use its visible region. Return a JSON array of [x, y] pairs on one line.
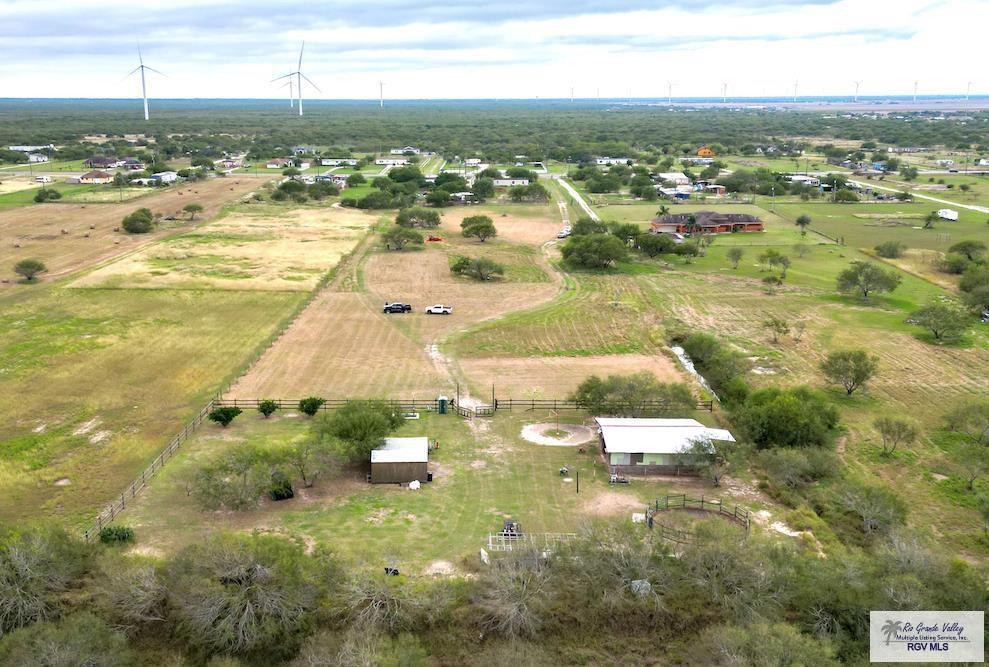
[[398, 308]]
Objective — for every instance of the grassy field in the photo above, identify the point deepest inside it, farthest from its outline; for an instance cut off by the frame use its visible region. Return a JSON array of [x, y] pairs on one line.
[[89, 237], [253, 247], [481, 476], [95, 382]]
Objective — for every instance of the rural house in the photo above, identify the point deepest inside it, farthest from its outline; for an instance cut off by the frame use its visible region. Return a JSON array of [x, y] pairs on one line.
[[611, 160], [391, 161], [280, 163], [101, 162], [652, 446], [37, 157], [674, 177], [96, 178], [510, 182], [708, 222], [705, 151], [339, 161], [408, 150], [400, 461]]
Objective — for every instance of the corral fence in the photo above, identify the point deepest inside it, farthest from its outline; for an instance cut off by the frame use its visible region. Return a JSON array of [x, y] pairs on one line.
[[562, 404], [644, 470], [739, 515], [527, 541], [405, 405], [119, 504]]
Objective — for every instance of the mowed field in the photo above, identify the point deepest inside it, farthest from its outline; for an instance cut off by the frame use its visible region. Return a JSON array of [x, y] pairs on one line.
[[342, 345], [254, 247], [36, 231]]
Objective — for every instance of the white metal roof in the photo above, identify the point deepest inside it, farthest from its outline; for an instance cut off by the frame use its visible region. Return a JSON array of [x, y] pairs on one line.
[[655, 436], [402, 450]]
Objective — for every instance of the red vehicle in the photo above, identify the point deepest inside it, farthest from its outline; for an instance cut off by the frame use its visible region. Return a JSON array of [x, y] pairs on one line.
[[435, 238]]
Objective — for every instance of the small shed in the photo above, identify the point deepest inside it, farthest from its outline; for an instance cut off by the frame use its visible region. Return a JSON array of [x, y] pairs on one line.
[[400, 460]]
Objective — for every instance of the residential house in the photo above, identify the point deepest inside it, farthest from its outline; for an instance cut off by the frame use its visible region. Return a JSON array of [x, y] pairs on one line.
[[400, 461], [803, 179], [674, 177], [673, 193], [948, 214], [612, 160], [705, 151], [35, 158], [280, 163], [651, 446], [42, 179], [707, 222], [339, 162], [230, 163], [408, 150], [391, 161], [472, 161], [96, 178], [463, 198], [510, 182], [698, 160], [946, 163], [304, 150], [131, 164], [101, 162], [165, 177], [31, 149], [983, 162], [715, 189]]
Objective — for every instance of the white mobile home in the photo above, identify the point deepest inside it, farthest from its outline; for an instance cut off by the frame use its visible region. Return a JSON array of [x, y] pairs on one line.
[[391, 161], [628, 443], [948, 214]]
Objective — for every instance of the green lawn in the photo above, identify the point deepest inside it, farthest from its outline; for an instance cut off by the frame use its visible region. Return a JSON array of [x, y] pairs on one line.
[[70, 193]]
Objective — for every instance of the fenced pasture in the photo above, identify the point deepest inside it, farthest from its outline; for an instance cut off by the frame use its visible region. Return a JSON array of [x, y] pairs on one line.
[[37, 229], [481, 477], [265, 248], [95, 382]]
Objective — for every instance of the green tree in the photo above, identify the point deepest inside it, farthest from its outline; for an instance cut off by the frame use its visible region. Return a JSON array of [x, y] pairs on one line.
[[586, 225], [850, 368], [626, 232], [688, 251], [192, 210], [438, 198], [355, 180], [636, 395], [267, 407], [140, 221], [357, 428], [417, 216], [973, 251], [946, 320], [652, 245], [484, 188], [223, 416], [478, 268], [797, 417], [291, 172], [865, 278], [397, 237], [894, 432], [79, 639], [479, 226], [597, 251], [29, 268], [931, 219], [735, 254], [310, 457], [47, 194], [803, 222], [777, 326]]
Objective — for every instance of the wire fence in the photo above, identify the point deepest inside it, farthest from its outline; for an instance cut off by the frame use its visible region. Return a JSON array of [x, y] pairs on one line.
[[682, 502], [565, 404]]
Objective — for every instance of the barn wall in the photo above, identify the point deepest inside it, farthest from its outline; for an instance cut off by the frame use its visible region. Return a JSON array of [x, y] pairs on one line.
[[397, 473]]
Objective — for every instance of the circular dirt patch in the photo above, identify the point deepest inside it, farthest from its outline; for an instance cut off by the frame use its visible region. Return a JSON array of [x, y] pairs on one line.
[[562, 435]]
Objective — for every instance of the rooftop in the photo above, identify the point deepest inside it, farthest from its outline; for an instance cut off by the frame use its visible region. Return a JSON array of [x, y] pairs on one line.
[[655, 436], [402, 450]]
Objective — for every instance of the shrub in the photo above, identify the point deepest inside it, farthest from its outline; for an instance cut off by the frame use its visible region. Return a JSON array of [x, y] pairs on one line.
[[311, 405], [223, 416], [796, 468], [281, 486], [398, 237], [116, 534], [596, 251], [796, 417], [479, 268], [946, 320], [479, 226], [29, 268], [417, 216], [633, 396], [953, 263], [140, 221], [358, 427], [267, 407], [850, 368], [235, 481], [891, 249], [652, 245], [865, 278], [79, 639], [47, 194]]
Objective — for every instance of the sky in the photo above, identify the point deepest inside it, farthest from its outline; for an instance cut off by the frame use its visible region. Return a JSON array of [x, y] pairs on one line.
[[429, 49]]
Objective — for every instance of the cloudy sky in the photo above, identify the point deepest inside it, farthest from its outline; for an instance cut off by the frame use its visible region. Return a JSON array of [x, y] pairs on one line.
[[429, 49]]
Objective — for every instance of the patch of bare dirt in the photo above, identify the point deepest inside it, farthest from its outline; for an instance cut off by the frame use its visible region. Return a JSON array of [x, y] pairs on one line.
[[574, 434], [440, 568], [611, 503]]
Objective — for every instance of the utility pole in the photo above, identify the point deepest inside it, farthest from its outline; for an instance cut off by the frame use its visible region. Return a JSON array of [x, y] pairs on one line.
[[968, 90], [669, 93], [857, 84], [915, 90]]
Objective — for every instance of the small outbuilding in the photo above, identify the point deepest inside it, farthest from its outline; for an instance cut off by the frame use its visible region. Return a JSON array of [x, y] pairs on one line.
[[948, 214], [400, 461]]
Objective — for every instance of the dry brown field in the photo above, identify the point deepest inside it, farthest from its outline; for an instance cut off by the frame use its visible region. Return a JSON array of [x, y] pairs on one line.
[[36, 231]]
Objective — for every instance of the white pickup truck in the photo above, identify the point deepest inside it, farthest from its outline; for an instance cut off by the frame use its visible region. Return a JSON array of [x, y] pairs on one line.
[[439, 309]]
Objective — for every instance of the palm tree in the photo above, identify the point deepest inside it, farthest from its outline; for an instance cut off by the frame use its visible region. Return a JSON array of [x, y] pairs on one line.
[[663, 210], [692, 225], [890, 628]]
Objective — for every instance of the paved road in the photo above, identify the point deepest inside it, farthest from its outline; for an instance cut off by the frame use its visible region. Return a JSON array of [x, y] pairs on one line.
[[580, 200], [917, 195]]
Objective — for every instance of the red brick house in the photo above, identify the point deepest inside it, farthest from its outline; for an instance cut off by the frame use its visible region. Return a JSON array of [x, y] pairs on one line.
[[707, 222]]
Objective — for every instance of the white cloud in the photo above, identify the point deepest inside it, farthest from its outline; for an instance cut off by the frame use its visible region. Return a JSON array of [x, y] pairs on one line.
[[217, 48]]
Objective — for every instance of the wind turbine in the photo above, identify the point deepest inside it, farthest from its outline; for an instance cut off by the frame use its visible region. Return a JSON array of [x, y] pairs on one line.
[[669, 93], [795, 84], [571, 94], [144, 88], [915, 90], [381, 94], [857, 84], [291, 92], [724, 92], [968, 90], [299, 76]]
